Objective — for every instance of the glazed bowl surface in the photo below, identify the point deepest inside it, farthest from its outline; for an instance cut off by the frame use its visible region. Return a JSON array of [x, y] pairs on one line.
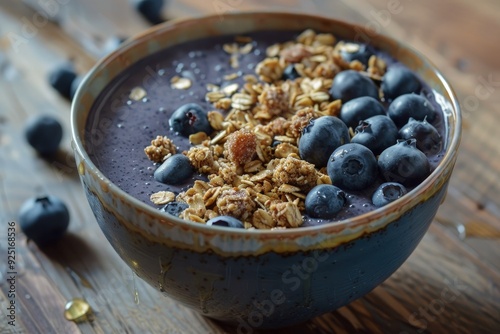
[[260, 278]]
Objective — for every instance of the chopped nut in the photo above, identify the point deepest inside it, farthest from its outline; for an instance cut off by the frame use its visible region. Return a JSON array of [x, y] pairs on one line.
[[160, 148], [180, 83], [137, 93], [162, 197]]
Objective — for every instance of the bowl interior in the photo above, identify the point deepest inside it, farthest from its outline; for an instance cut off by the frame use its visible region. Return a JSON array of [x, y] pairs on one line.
[[172, 33]]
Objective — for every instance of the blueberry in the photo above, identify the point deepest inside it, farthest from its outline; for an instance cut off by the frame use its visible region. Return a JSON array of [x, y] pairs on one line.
[[352, 51], [398, 81], [175, 208], [352, 167], [388, 192], [190, 119], [74, 86], [350, 84], [61, 79], [404, 163], [359, 109], [377, 133], [226, 221], [410, 105], [324, 201], [174, 170], [150, 10], [320, 138], [428, 138], [290, 73], [44, 134], [44, 219]]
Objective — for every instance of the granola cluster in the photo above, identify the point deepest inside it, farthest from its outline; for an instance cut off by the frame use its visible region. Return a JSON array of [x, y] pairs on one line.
[[160, 149], [254, 170]]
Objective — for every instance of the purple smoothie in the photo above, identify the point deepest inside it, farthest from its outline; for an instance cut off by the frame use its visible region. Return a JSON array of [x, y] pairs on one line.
[[119, 128]]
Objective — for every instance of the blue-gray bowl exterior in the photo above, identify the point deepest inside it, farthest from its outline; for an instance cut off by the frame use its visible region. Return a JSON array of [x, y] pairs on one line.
[[260, 279], [270, 290]]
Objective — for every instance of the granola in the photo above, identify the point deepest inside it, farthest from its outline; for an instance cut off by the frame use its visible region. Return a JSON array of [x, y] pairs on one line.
[[251, 160]]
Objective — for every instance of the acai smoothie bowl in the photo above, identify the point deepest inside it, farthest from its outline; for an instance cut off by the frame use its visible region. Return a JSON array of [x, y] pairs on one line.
[[264, 168]]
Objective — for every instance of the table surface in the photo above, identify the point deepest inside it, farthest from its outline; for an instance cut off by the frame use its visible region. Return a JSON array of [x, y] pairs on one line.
[[450, 284]]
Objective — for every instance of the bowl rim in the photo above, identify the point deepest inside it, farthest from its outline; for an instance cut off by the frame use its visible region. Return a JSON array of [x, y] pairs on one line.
[[448, 159]]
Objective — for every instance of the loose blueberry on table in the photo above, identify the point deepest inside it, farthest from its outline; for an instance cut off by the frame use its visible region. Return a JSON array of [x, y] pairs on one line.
[[44, 134], [61, 79], [151, 10], [44, 219]]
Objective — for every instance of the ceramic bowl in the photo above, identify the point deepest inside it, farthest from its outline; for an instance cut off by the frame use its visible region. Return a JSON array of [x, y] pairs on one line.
[[260, 278]]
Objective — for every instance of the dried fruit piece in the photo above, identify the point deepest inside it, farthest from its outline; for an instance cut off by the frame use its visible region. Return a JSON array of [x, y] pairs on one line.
[[241, 146]]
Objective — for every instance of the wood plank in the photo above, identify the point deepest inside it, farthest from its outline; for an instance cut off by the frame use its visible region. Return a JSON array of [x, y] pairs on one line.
[[447, 285]]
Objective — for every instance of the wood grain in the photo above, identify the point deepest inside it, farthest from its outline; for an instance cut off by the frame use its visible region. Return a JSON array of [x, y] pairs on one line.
[[448, 285]]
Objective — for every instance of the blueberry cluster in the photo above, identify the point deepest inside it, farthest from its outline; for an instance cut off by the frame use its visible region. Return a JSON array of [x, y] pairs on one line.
[[390, 147], [379, 143]]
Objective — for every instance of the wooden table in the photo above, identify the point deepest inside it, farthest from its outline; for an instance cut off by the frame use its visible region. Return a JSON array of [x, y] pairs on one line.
[[451, 284]]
